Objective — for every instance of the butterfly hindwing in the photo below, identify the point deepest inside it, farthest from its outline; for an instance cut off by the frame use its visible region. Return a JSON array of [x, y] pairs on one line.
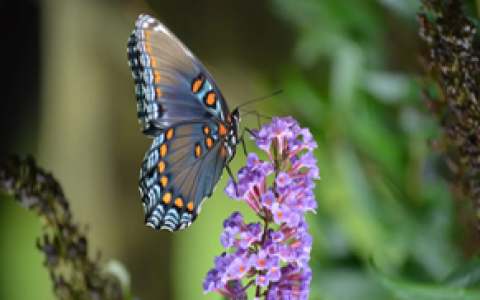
[[181, 169], [171, 84]]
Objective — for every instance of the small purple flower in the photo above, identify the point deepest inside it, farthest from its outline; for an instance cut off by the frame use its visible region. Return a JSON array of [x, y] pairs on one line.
[[267, 199], [266, 168], [308, 141], [294, 219], [227, 240], [260, 260], [262, 281], [283, 179], [278, 128], [212, 282], [230, 190], [273, 293], [246, 239], [285, 253], [307, 160], [252, 161], [313, 172], [238, 267], [274, 274], [263, 140], [231, 227], [277, 236], [272, 256], [256, 229], [281, 213], [272, 248], [236, 217]]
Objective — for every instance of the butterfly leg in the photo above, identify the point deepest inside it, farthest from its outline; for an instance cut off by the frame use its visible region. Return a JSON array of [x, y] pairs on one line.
[[242, 139], [244, 148], [233, 178], [258, 119]]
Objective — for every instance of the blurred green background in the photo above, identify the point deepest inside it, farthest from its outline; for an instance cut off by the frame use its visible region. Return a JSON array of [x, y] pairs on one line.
[[350, 73]]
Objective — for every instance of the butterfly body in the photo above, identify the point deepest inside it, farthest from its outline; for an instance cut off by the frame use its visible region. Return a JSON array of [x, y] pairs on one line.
[[182, 109]]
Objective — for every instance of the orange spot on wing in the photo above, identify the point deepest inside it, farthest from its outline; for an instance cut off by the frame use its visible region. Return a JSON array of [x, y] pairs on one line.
[[221, 129], [147, 35], [153, 62], [164, 181], [161, 167], [197, 84], [159, 92], [198, 150], [167, 198], [206, 130], [210, 99], [156, 76], [179, 202], [209, 142], [190, 206], [229, 119], [169, 134], [163, 150], [148, 47]]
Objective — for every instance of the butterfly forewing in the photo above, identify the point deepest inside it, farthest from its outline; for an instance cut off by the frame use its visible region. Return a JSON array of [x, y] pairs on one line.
[[171, 84]]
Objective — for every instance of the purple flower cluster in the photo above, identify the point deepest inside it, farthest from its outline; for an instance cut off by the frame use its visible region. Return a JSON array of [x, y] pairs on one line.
[[273, 256]]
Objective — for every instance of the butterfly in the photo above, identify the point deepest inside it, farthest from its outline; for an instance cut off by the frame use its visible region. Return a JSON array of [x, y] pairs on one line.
[[194, 134]]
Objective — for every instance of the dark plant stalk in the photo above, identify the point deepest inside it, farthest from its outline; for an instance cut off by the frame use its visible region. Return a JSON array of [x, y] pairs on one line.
[[64, 242], [452, 63]]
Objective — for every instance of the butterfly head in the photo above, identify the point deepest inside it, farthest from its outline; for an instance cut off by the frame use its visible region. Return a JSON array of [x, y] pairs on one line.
[[236, 118], [232, 138]]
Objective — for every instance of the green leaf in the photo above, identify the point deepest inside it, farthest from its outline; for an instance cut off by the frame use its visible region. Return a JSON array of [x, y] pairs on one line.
[[466, 276], [405, 290], [331, 283]]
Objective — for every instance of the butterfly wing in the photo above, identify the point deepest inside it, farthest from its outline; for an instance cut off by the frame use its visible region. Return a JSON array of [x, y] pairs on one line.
[[181, 169], [171, 84]]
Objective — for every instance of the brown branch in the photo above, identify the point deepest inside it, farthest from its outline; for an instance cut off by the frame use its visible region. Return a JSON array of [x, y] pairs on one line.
[[64, 243]]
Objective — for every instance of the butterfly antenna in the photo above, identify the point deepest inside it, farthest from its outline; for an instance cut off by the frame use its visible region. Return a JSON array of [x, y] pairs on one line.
[[254, 112], [261, 98]]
